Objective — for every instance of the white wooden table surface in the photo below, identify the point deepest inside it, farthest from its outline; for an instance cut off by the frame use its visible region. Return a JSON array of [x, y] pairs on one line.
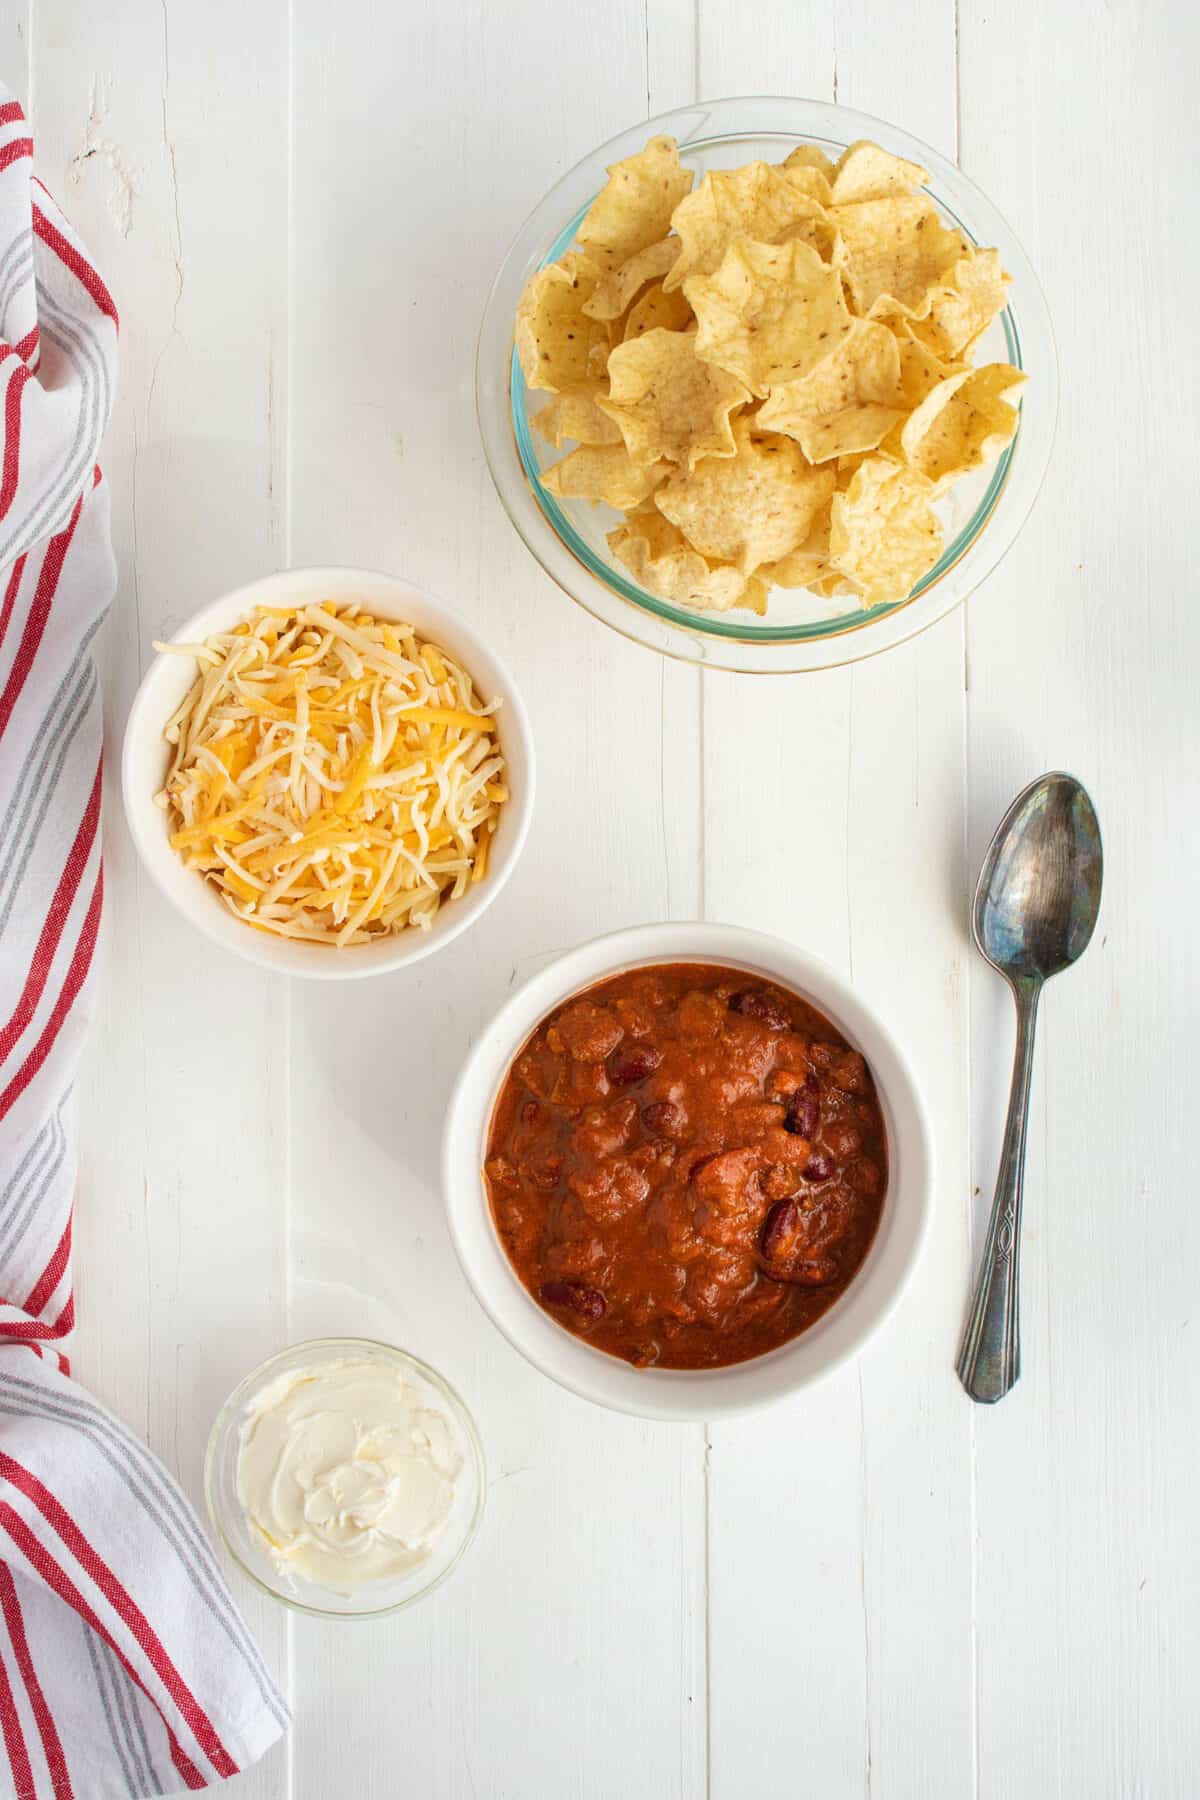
[[875, 1590]]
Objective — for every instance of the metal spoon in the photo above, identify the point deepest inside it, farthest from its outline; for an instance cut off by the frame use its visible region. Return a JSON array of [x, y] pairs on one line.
[[1035, 908]]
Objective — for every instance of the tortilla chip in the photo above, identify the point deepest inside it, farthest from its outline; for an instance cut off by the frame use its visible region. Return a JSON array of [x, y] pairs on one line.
[[756, 201], [920, 369], [972, 291], [657, 311], [808, 563], [769, 314], [621, 285], [554, 338], [667, 402], [833, 586], [884, 535], [888, 445], [634, 207], [963, 423], [809, 156], [847, 402], [576, 418], [661, 560], [863, 366], [603, 473], [812, 172], [848, 433], [865, 172], [852, 461], [597, 362], [896, 252], [751, 508], [812, 184], [799, 570]]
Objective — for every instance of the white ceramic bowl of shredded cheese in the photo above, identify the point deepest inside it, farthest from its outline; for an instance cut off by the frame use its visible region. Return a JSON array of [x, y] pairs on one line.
[[146, 757]]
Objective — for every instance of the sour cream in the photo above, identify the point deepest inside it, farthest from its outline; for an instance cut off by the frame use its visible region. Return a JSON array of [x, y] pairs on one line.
[[346, 1473]]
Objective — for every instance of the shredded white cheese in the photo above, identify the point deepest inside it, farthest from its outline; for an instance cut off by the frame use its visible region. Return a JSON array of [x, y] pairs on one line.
[[334, 776]]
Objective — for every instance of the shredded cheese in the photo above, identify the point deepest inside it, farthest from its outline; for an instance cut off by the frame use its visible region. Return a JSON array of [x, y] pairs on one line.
[[334, 777]]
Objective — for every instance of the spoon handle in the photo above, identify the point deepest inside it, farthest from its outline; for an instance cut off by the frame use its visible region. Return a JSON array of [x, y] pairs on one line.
[[990, 1359]]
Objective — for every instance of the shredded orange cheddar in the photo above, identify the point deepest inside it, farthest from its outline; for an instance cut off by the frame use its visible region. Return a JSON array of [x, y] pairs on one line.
[[322, 761]]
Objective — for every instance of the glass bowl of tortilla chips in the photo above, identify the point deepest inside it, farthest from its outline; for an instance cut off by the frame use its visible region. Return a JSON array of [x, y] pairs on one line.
[[767, 384]]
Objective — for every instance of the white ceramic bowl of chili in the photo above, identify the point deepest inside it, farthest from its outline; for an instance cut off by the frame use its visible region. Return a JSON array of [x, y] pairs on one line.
[[146, 757], [687, 1394]]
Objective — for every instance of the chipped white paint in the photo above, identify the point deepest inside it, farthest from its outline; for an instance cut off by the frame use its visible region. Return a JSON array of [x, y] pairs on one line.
[[121, 187], [877, 1592]]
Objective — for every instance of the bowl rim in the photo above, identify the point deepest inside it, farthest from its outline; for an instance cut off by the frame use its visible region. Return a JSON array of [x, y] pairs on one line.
[[719, 642], [227, 1418], [141, 815], [686, 1395]]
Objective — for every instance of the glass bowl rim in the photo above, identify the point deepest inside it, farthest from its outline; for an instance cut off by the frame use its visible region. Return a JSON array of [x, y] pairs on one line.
[[232, 1407], [722, 121]]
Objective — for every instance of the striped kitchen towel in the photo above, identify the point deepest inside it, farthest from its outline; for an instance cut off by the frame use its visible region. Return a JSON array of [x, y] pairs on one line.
[[124, 1666]]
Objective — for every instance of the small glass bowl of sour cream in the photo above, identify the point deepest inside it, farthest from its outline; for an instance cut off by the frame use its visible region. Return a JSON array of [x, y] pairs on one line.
[[345, 1477]]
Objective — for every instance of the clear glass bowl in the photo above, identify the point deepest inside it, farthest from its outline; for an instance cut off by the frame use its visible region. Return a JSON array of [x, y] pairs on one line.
[[243, 1544], [984, 511]]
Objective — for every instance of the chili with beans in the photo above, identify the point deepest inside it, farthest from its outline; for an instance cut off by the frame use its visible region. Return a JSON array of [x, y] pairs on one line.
[[686, 1165]]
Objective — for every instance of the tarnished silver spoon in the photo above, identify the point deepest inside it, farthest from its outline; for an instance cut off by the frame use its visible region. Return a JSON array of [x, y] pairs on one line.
[[1035, 908]]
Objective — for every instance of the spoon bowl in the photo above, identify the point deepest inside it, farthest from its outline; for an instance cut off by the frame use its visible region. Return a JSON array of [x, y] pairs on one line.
[[1035, 910], [1039, 887]]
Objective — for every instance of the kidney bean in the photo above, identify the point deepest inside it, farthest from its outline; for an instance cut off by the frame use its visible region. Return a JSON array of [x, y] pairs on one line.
[[632, 1062], [588, 1302], [819, 1167], [778, 1227], [804, 1109], [757, 1003], [663, 1118], [783, 1253], [799, 1270]]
